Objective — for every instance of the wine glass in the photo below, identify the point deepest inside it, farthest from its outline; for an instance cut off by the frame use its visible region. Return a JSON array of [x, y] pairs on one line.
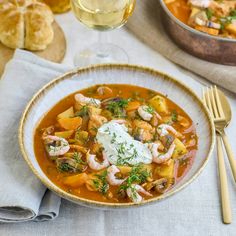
[[102, 15]]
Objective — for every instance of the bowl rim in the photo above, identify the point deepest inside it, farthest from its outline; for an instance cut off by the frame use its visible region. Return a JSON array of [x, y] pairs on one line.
[[192, 30], [68, 75]]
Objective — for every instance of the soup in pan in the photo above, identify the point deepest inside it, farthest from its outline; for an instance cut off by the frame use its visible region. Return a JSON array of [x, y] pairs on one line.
[[214, 17], [115, 143]]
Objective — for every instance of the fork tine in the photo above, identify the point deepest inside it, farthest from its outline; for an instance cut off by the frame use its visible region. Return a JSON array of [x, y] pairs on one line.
[[208, 101], [203, 97], [213, 102], [218, 102]]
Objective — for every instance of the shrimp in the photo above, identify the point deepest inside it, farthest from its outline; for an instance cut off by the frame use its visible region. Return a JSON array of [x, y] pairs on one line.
[[147, 113], [160, 158], [93, 164], [80, 98], [48, 131], [56, 146], [104, 90], [200, 3], [111, 178], [153, 147], [133, 191], [164, 129]]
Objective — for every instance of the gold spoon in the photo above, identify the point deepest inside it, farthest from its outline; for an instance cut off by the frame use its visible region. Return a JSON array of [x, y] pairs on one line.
[[228, 116]]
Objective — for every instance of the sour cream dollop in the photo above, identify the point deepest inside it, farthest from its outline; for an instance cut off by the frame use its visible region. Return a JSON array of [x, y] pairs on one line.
[[120, 147]]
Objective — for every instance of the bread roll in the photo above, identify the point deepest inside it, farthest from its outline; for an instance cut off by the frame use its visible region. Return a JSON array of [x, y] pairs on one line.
[[25, 24]]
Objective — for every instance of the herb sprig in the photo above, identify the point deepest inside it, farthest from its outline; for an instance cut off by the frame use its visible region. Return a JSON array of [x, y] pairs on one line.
[[137, 175], [117, 107], [100, 183]]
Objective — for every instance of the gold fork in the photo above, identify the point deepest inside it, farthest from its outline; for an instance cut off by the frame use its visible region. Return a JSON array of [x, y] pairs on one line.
[[212, 101]]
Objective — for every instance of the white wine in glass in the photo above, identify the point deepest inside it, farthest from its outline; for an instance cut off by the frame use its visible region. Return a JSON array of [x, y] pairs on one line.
[[102, 15]]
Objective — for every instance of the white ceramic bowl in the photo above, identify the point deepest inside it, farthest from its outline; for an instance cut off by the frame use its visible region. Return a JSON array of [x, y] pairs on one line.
[[79, 79]]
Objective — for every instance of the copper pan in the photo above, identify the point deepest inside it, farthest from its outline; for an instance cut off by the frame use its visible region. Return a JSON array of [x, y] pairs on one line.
[[211, 48]]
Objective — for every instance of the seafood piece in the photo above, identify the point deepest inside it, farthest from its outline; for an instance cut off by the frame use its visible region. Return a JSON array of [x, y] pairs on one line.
[[47, 131], [158, 157], [80, 98], [154, 149], [142, 130], [133, 193], [104, 90], [56, 146], [147, 113], [201, 3], [94, 165], [164, 129], [111, 178]]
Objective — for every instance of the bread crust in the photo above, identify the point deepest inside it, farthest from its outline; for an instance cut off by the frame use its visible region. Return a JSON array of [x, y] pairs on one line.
[[26, 24]]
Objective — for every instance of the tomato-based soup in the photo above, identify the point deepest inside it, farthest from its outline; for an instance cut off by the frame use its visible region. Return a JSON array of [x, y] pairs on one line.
[[213, 17], [115, 143]]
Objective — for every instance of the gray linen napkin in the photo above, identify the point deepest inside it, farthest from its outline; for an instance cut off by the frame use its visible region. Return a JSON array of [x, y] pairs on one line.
[[22, 195], [146, 25]]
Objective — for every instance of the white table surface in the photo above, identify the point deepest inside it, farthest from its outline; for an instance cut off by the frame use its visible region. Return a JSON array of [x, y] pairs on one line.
[[182, 214]]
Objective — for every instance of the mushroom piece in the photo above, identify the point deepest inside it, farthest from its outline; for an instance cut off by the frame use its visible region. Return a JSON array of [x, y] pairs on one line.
[[160, 185]]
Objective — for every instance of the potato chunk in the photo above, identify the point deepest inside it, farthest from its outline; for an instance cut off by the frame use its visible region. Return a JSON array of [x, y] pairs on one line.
[[70, 123], [180, 149], [159, 103], [64, 134], [231, 28], [164, 170], [75, 180], [66, 114]]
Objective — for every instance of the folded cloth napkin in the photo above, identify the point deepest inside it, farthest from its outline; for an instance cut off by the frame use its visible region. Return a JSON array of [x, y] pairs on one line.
[[146, 25], [22, 196]]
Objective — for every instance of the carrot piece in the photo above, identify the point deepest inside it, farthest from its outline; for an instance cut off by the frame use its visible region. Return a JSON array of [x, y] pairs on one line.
[[134, 105], [70, 123], [75, 180], [207, 30]]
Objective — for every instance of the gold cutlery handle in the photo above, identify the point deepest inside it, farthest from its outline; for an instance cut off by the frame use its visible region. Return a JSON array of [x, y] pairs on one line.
[[229, 151], [225, 201]]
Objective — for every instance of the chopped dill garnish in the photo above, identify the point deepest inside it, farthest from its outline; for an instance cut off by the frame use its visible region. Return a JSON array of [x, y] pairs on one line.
[[64, 167], [78, 157], [174, 116], [101, 183], [209, 13], [82, 112], [137, 175], [117, 107], [149, 109]]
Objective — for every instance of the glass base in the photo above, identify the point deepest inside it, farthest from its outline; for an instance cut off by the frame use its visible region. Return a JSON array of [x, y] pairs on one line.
[[99, 54]]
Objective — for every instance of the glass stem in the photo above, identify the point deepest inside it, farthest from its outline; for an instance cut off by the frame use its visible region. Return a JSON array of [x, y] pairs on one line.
[[103, 41]]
